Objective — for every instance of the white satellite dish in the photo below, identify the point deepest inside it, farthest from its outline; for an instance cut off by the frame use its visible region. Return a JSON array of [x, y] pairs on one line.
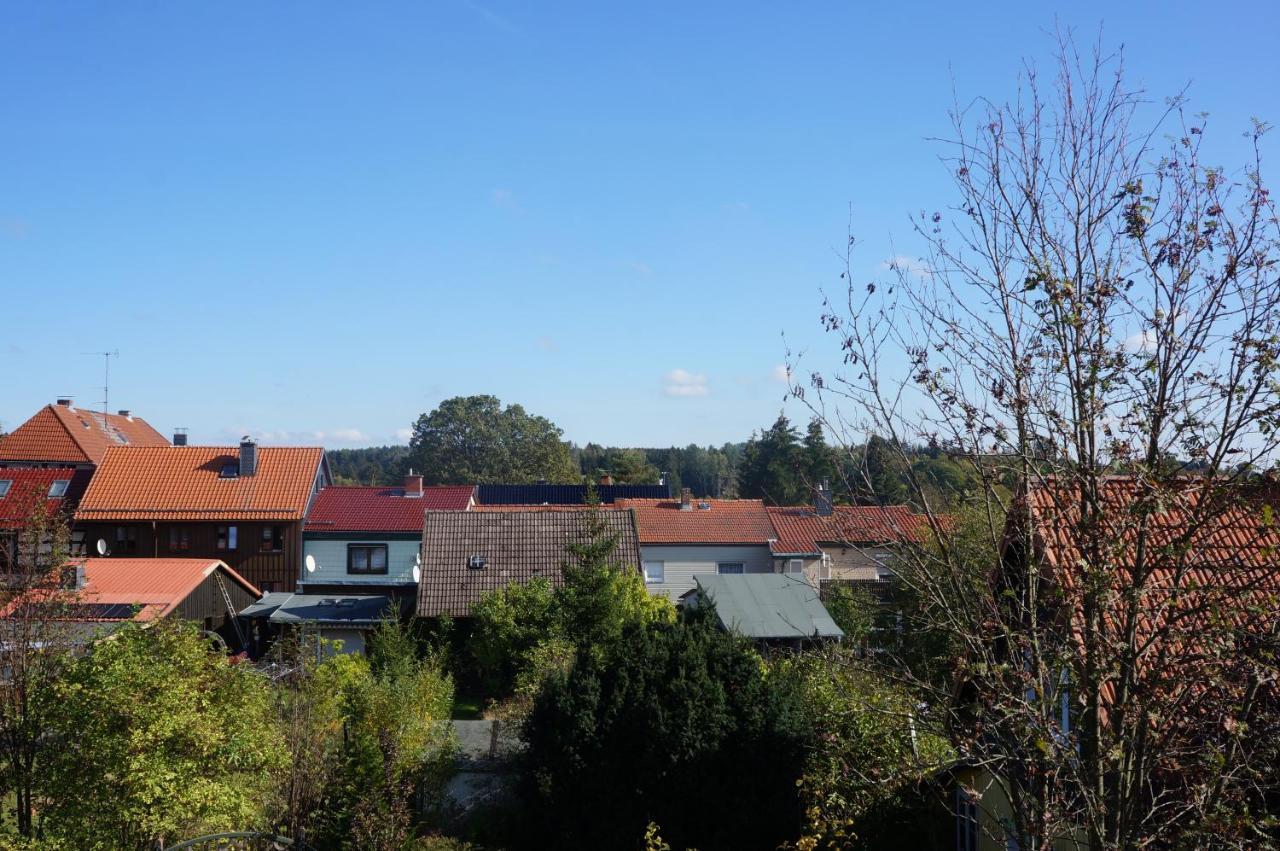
[[417, 573], [101, 547], [311, 564]]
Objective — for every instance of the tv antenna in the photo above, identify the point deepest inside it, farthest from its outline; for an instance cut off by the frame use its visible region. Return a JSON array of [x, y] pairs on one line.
[[106, 379]]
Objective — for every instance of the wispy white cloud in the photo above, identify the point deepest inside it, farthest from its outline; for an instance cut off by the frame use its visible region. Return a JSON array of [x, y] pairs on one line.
[[287, 437], [640, 267], [910, 265], [403, 434], [685, 384], [548, 345], [492, 17], [781, 374], [1142, 341], [505, 199]]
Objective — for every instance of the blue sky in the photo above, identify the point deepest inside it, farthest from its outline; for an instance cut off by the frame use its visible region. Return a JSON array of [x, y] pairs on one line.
[[313, 221]]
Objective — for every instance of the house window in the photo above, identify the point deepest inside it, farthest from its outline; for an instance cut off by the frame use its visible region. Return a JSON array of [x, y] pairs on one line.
[[367, 558], [966, 821], [730, 567], [227, 537], [58, 489], [824, 572], [127, 539], [8, 551], [795, 565], [5, 484], [655, 571], [272, 539], [230, 470], [179, 538]]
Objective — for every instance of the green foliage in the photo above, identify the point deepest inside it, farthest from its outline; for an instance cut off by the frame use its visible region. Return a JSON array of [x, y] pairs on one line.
[[677, 724], [475, 440], [773, 466], [871, 749], [395, 746], [599, 599], [883, 472], [159, 739], [854, 610], [376, 465]]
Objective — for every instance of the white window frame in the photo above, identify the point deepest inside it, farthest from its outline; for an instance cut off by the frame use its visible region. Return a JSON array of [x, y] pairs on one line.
[[5, 485], [824, 572], [652, 577], [58, 488], [794, 566], [720, 568]]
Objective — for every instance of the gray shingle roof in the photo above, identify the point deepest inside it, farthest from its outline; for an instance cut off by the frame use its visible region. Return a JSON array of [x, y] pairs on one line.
[[516, 546], [768, 605]]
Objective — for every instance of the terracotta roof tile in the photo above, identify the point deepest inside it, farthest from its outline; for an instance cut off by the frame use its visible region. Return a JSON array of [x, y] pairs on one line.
[[515, 545], [381, 509], [184, 483], [723, 521], [30, 486], [800, 530], [60, 433], [156, 586]]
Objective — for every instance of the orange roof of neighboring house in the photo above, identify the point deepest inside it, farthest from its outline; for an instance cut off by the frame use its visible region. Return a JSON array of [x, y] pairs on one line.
[[154, 586], [75, 436], [723, 521], [29, 487], [801, 530], [185, 483]]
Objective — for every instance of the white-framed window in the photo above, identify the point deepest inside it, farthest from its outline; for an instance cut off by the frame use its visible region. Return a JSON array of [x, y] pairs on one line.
[[795, 565], [824, 572], [655, 572], [730, 567], [58, 488], [5, 484]]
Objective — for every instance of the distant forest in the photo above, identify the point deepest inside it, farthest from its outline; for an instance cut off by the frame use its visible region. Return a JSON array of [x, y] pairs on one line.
[[707, 471]]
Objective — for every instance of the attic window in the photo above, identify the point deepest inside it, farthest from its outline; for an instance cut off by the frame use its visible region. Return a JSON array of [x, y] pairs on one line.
[[5, 484], [230, 470], [58, 488]]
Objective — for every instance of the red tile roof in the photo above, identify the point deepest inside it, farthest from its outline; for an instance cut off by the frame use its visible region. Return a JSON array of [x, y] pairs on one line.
[[156, 586], [184, 483], [382, 509], [800, 530], [60, 433], [724, 521], [29, 486]]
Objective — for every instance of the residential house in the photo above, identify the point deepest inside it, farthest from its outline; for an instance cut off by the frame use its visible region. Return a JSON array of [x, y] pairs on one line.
[[244, 505], [842, 542], [774, 609], [61, 435], [100, 595], [682, 538], [344, 618], [371, 537], [548, 494], [25, 490], [466, 554]]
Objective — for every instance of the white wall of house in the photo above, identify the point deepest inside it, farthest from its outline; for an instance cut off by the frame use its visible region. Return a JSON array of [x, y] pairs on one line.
[[680, 563], [331, 561]]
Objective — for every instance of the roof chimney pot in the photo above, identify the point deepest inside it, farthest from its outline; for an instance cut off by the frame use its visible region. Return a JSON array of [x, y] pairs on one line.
[[64, 402], [822, 502], [413, 484], [686, 499], [179, 437], [248, 456]]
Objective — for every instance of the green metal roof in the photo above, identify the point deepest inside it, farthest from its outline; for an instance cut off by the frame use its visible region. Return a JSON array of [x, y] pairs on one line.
[[768, 605]]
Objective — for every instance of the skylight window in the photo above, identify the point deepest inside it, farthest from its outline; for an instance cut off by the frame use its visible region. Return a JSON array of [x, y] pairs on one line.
[[58, 488], [5, 484]]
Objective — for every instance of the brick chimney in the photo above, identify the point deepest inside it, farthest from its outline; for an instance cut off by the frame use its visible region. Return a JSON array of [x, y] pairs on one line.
[[606, 479], [126, 413], [248, 456], [64, 402], [686, 499], [413, 484]]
